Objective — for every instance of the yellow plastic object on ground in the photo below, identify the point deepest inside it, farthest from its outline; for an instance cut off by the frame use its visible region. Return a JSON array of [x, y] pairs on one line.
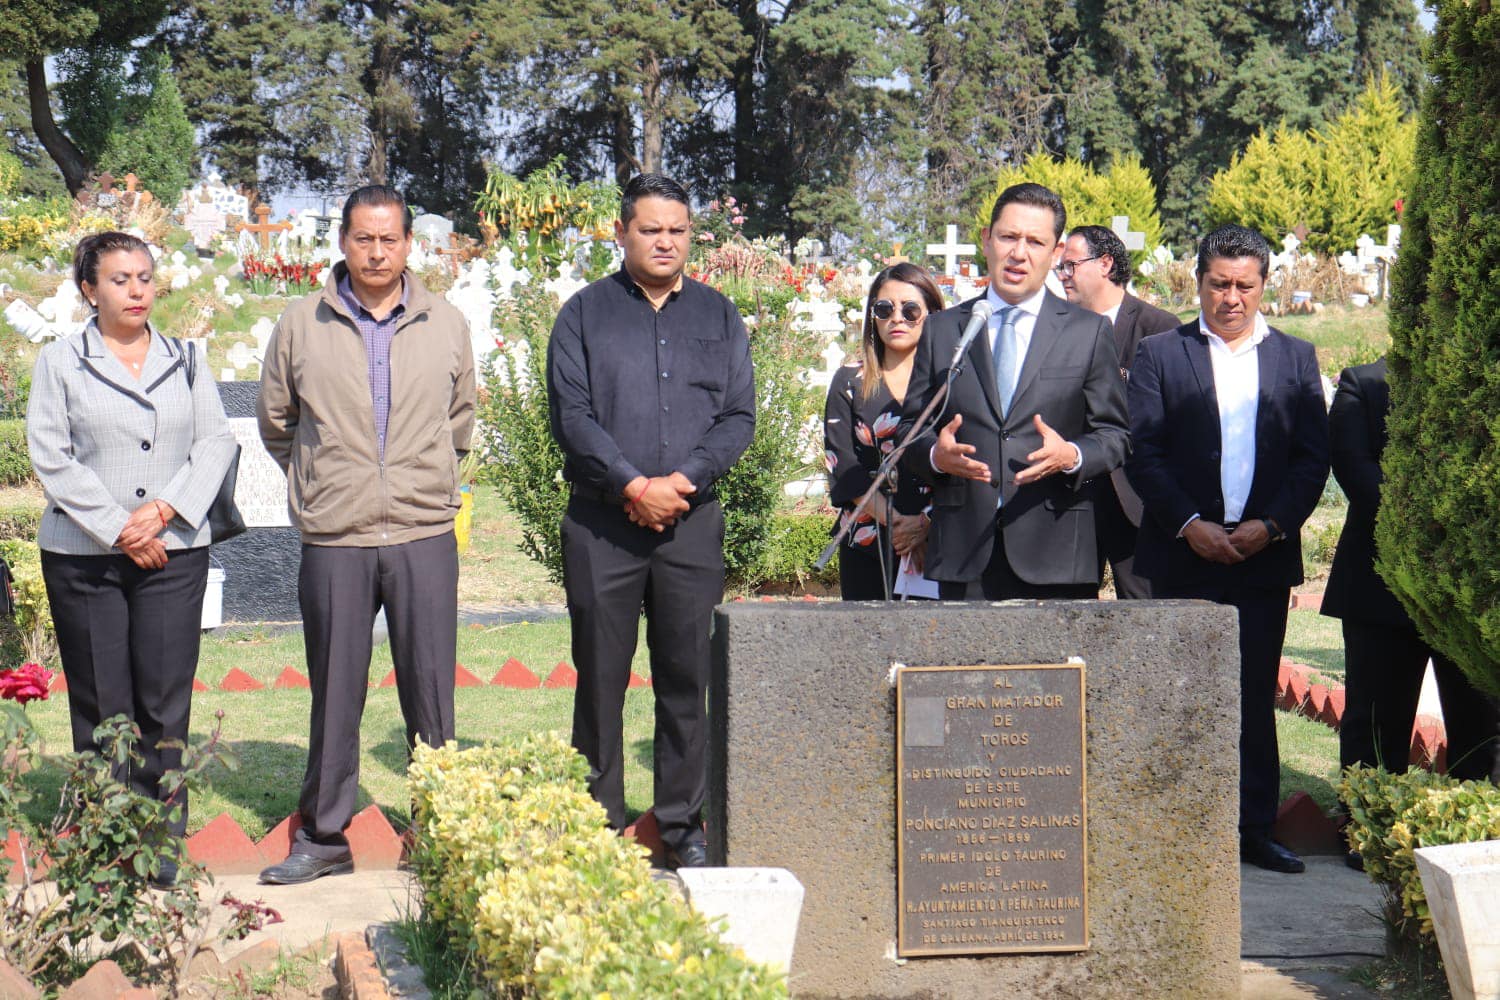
[[465, 519]]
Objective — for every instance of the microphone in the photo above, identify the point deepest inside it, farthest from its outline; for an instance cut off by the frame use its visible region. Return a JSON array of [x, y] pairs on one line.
[[978, 317]]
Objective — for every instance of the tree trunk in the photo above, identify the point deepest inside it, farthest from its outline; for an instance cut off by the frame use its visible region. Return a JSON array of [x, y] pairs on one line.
[[652, 113], [622, 145], [75, 169]]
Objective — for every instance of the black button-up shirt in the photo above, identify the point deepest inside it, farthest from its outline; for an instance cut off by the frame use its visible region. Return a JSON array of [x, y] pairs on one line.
[[636, 391]]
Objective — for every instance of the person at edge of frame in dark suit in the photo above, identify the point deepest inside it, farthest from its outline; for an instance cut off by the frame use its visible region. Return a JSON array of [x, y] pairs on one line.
[[367, 401], [1037, 411], [1230, 440], [1384, 655], [652, 400], [1095, 270]]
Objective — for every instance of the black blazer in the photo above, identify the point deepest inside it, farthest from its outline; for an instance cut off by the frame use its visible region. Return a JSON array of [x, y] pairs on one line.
[[1174, 465], [1356, 430], [1070, 375], [1135, 321]]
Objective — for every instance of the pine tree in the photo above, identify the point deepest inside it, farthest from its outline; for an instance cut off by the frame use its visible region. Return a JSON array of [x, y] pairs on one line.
[[1438, 529]]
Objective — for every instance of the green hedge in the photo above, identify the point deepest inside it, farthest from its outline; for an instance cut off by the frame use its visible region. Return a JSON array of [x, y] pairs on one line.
[[15, 459], [29, 635], [517, 862], [1391, 815], [1438, 529], [797, 537]]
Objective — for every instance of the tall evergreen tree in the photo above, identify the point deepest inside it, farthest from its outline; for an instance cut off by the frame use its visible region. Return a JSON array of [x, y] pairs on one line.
[[1438, 529]]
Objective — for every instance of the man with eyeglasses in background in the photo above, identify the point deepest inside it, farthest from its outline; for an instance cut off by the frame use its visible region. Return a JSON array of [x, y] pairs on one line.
[[1095, 270], [1036, 412]]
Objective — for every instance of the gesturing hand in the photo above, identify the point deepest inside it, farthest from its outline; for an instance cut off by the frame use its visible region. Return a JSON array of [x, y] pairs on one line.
[[1055, 455], [952, 457]]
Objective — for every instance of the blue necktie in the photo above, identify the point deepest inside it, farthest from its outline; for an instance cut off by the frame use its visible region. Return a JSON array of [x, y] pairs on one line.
[[1006, 361]]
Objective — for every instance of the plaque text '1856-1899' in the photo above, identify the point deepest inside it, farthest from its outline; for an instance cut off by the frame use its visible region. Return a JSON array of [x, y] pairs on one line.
[[991, 810]]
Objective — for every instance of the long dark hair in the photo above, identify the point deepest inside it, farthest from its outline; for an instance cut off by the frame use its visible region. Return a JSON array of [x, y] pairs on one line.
[[95, 245], [872, 348]]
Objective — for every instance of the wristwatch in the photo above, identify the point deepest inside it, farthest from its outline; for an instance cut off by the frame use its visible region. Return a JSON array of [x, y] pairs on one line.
[[1273, 529]]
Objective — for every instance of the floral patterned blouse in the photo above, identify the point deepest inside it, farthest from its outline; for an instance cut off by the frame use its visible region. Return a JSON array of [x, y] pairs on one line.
[[857, 434]]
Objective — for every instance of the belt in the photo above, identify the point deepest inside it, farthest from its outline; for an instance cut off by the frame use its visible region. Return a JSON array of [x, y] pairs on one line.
[[593, 495]]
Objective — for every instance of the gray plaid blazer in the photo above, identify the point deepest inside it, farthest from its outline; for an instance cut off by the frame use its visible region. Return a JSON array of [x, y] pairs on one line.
[[103, 443]]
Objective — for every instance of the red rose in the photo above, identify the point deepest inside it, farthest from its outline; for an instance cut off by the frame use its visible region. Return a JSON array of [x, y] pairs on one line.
[[27, 682]]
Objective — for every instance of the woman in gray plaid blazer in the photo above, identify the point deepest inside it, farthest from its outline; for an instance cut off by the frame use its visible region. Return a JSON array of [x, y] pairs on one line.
[[130, 456]]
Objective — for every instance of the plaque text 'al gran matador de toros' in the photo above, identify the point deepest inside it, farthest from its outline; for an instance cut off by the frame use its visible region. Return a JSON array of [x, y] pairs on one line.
[[990, 809]]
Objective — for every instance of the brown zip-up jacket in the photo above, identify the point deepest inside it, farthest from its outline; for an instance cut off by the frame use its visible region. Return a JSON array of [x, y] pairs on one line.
[[318, 422]]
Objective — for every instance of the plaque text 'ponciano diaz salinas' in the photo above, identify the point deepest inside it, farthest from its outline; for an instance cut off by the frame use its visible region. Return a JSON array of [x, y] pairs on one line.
[[991, 809]]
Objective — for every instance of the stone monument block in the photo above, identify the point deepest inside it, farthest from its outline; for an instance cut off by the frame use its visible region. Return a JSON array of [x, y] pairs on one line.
[[802, 776]]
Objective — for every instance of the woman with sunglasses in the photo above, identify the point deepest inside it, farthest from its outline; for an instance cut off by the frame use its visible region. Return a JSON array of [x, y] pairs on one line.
[[859, 429]]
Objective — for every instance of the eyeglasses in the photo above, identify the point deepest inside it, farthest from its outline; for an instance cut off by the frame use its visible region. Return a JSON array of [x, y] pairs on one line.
[[885, 309], [1067, 267]]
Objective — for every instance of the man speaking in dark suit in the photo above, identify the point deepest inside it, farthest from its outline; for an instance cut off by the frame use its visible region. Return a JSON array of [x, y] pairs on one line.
[[1036, 410], [1230, 456], [1095, 269], [1384, 656]]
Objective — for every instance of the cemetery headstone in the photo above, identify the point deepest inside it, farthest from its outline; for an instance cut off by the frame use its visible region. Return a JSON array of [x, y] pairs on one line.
[[434, 229], [951, 250], [260, 566], [909, 836], [1133, 240], [204, 221], [263, 227]]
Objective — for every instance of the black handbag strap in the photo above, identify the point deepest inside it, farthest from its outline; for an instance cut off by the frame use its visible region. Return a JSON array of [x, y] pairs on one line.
[[191, 352]]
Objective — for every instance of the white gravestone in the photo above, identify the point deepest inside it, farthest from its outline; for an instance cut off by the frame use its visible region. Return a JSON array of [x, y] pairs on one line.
[[506, 275], [205, 222], [951, 250], [1120, 226], [260, 491], [434, 229]]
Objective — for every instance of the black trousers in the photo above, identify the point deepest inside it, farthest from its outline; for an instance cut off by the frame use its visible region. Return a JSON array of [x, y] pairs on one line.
[[1383, 681], [1262, 620], [1000, 583], [1116, 538], [129, 644], [340, 589], [612, 570]]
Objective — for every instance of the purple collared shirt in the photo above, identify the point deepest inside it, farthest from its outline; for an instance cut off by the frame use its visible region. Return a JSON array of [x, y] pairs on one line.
[[377, 335]]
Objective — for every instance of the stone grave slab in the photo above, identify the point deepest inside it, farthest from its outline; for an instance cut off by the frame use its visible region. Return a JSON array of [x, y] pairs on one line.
[[803, 768]]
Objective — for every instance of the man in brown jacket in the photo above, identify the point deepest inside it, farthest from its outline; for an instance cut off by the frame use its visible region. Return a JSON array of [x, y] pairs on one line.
[[367, 403]]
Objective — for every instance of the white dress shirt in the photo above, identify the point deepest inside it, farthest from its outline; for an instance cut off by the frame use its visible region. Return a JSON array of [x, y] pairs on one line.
[[1113, 312], [1237, 386], [1025, 324]]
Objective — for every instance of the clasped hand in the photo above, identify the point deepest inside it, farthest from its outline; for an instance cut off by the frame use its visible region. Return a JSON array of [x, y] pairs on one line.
[[1210, 541], [140, 538], [663, 500]]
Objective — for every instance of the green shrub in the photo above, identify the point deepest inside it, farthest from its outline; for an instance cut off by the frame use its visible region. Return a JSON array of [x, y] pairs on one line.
[[1394, 814], [1341, 180], [797, 537], [518, 863], [10, 173], [523, 461], [1438, 528], [29, 634], [15, 459], [1092, 197]]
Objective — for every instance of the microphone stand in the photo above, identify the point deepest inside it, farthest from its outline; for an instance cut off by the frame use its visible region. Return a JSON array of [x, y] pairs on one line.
[[884, 473]]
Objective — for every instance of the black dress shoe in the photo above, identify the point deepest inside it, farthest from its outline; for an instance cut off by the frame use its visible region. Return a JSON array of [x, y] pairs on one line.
[[1355, 860], [299, 868], [1263, 852], [693, 854], [166, 875]]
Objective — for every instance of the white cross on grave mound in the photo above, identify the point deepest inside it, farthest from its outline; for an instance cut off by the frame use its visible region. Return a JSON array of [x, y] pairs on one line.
[[241, 356], [818, 316], [1120, 226], [951, 250], [506, 274]]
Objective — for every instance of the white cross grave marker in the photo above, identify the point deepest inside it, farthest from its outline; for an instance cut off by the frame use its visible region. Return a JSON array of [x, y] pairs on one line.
[[1120, 225], [950, 250]]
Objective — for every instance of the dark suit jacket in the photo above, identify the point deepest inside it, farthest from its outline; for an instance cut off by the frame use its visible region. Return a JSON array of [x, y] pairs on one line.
[[1135, 321], [1174, 465], [1070, 375], [1356, 430]]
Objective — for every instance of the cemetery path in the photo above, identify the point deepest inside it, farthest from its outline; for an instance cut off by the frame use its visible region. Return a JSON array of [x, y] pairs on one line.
[[1301, 935]]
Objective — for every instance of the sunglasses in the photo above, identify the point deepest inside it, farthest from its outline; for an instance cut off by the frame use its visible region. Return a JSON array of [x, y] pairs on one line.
[[885, 309]]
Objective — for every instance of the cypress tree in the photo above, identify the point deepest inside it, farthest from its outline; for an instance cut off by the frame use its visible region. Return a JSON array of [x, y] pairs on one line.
[[1438, 532]]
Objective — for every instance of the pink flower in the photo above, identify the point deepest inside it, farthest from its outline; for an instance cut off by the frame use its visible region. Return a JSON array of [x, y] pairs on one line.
[[864, 536], [713, 206], [27, 682], [738, 220], [886, 424], [830, 459], [705, 237], [862, 433]]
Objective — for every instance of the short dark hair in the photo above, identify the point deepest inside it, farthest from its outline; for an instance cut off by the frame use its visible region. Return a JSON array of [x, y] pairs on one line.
[[372, 195], [1234, 241], [95, 245], [1032, 194], [872, 348], [650, 186], [1104, 242]]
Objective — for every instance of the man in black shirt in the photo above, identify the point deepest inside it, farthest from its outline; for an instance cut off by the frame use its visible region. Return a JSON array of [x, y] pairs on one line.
[[652, 400]]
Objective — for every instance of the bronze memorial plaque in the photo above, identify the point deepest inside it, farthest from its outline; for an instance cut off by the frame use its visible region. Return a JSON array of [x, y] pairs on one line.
[[991, 811]]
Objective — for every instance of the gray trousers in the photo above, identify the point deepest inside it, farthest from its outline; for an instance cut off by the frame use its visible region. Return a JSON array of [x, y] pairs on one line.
[[340, 589]]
